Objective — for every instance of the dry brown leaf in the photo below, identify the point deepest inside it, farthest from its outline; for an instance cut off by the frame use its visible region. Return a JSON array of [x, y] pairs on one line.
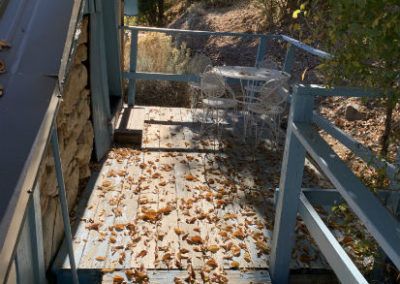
[[140, 275], [93, 226], [100, 258], [235, 250], [2, 66], [190, 177], [235, 265], [150, 216], [166, 210], [118, 279], [167, 257], [247, 257], [262, 246], [183, 250], [228, 216], [119, 227], [212, 263], [142, 253], [4, 45], [239, 234], [195, 240], [213, 248], [178, 231]]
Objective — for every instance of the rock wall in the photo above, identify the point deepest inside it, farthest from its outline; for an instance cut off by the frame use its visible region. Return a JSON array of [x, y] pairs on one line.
[[75, 134]]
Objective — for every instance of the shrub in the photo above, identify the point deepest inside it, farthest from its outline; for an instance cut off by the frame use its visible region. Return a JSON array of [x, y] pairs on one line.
[[158, 53]]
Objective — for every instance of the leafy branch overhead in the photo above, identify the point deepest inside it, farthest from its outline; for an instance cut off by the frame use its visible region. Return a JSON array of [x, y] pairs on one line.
[[364, 38]]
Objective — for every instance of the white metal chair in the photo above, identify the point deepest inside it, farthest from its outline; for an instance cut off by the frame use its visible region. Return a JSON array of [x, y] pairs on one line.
[[265, 111], [252, 95], [217, 97]]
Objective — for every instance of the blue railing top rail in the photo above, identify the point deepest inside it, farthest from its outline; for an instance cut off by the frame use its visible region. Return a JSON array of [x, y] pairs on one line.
[[193, 32], [307, 48], [292, 41]]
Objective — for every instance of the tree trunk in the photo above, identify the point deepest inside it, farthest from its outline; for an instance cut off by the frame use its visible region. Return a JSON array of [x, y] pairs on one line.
[[390, 105], [160, 4]]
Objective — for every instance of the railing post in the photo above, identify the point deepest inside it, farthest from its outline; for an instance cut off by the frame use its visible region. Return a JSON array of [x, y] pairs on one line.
[[132, 81], [289, 59], [262, 49], [36, 232], [64, 203], [290, 188]]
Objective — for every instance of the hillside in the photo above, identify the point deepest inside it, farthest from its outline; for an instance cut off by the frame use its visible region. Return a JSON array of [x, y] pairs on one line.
[[244, 16]]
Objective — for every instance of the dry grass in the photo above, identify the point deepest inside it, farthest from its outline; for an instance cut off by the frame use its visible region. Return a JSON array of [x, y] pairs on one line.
[[158, 53]]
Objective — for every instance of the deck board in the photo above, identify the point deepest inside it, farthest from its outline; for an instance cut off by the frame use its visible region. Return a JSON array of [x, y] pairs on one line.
[[210, 191]]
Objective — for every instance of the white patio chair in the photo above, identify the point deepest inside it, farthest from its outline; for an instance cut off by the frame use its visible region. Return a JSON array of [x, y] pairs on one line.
[[217, 97], [265, 112]]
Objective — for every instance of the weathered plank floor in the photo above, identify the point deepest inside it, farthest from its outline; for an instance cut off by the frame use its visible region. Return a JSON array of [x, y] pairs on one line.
[[181, 204]]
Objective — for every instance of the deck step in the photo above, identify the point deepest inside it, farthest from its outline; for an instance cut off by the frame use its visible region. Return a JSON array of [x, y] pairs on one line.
[[130, 126], [169, 276]]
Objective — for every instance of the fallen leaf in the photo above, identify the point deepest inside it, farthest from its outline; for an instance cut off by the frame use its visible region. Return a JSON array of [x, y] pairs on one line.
[[118, 279], [4, 45], [262, 246], [190, 177], [239, 234], [100, 258], [213, 248], [212, 263], [142, 253], [93, 226], [195, 240], [2, 66], [235, 265], [178, 231], [247, 256]]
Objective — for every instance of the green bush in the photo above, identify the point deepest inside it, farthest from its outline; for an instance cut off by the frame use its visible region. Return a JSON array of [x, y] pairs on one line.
[[364, 38]]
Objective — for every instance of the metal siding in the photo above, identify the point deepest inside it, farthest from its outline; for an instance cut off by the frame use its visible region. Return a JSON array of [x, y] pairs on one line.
[[110, 14], [101, 112]]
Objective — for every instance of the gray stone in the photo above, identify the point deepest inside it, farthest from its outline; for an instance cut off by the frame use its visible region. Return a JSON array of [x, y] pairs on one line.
[[80, 54], [353, 113]]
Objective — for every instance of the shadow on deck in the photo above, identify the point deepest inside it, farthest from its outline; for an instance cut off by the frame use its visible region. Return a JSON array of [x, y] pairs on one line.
[[181, 206]]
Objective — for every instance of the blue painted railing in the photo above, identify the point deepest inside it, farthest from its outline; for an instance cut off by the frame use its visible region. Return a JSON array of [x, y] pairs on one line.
[[302, 137], [133, 75]]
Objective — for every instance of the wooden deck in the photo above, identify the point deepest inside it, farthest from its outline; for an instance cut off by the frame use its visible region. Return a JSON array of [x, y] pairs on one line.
[[181, 208]]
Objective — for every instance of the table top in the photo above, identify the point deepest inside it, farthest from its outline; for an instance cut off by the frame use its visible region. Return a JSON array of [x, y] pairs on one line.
[[249, 73]]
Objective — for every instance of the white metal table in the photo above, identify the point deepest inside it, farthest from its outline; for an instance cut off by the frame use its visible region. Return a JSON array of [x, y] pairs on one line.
[[250, 78], [245, 73]]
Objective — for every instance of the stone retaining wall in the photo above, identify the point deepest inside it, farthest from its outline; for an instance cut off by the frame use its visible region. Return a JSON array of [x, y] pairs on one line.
[[75, 133]]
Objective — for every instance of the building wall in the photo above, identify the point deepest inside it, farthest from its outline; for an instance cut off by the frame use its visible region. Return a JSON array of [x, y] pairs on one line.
[[75, 133]]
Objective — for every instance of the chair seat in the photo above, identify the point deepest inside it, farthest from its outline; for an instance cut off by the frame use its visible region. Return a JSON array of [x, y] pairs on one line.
[[221, 103]]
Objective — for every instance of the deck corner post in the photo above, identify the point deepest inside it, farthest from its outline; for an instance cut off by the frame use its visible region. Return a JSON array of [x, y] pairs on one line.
[[63, 201], [289, 58], [262, 49], [133, 64], [36, 232], [289, 189]]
